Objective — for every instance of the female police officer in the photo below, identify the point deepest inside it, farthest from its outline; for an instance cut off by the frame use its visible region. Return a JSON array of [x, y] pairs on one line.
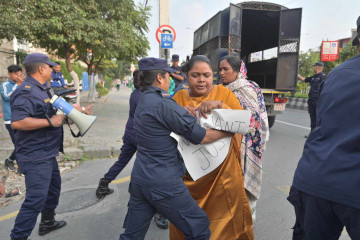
[[156, 178]]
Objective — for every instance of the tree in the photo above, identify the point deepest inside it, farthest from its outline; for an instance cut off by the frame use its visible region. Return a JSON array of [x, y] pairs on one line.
[[306, 62], [69, 28], [309, 58]]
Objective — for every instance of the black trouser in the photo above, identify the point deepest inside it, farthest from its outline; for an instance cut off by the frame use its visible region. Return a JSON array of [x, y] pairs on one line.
[[11, 132], [312, 111], [320, 219]]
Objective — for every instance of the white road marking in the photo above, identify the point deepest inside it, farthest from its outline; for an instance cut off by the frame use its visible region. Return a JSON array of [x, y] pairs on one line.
[[293, 124]]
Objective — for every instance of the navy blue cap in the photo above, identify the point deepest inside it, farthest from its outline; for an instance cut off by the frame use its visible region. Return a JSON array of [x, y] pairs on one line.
[[151, 63], [38, 58], [175, 58], [320, 64]]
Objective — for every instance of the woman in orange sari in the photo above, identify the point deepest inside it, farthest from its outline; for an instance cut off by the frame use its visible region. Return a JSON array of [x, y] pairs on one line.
[[221, 193]]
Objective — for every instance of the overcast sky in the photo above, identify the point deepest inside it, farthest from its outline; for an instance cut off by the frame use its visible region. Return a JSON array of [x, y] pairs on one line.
[[321, 20]]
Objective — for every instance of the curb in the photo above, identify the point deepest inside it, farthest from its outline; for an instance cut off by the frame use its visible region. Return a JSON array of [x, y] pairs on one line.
[[297, 103]]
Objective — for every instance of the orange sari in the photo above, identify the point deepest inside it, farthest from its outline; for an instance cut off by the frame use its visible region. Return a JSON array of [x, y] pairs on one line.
[[221, 193]]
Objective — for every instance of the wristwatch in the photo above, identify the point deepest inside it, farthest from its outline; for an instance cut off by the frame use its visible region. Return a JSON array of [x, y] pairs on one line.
[[83, 108]]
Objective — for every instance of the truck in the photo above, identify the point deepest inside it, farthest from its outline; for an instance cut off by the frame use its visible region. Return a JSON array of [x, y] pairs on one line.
[[266, 36]]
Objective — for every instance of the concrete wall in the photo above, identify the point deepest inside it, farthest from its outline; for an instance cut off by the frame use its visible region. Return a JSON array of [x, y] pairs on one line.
[[7, 57]]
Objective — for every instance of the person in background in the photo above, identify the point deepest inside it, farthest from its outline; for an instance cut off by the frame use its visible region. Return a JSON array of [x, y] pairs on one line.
[[118, 83], [57, 77], [172, 87], [325, 190], [315, 82], [233, 75], [129, 146], [7, 88], [128, 150], [178, 76], [356, 41]]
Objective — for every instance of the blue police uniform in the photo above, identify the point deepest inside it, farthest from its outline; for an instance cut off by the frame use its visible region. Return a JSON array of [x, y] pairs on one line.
[[325, 191], [36, 153], [315, 82], [57, 79], [179, 72], [129, 147], [156, 179]]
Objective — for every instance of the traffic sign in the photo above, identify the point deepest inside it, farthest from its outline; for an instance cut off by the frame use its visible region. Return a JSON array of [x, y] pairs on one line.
[[167, 29], [167, 40], [329, 51]]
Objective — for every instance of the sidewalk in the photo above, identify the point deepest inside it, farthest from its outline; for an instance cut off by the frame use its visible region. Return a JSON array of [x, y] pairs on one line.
[[103, 140]]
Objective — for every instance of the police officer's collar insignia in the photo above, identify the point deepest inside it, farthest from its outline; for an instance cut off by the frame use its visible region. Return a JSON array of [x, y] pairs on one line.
[[47, 100], [27, 86]]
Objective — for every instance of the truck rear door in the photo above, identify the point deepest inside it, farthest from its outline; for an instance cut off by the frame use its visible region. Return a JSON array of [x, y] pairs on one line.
[[288, 50]]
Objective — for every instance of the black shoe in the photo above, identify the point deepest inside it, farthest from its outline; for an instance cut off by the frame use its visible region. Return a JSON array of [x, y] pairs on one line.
[[49, 224], [9, 164], [103, 188], [160, 221]]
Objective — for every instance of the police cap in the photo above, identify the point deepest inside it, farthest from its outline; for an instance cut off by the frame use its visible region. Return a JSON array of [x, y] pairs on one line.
[[38, 58], [151, 63], [175, 58], [320, 64]]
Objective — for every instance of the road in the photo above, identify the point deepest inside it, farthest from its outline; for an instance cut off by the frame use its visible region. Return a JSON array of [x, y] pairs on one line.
[[89, 219]]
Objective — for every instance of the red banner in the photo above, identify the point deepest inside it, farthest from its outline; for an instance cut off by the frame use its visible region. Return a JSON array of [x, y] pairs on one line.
[[329, 51]]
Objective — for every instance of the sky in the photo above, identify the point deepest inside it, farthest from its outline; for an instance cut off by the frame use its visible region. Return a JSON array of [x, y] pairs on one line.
[[321, 20]]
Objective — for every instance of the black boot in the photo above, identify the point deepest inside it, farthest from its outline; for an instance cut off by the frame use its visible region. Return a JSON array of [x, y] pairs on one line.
[[103, 188], [161, 221], [48, 223]]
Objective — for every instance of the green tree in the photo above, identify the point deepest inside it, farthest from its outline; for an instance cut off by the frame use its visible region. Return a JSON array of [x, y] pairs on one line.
[[69, 28], [309, 58], [306, 69]]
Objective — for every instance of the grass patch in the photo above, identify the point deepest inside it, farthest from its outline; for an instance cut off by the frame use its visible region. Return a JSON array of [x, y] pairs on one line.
[[298, 95]]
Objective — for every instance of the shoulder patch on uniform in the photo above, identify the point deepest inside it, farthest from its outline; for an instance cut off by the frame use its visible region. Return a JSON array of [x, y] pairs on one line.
[[27, 86]]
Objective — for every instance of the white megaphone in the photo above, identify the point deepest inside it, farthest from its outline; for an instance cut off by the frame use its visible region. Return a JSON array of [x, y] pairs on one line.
[[82, 121]]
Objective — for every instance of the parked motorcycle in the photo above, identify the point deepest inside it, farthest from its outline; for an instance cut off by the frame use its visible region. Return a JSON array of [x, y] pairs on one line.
[[69, 94]]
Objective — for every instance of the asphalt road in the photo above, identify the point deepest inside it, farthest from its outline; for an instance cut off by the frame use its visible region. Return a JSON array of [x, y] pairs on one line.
[[91, 220]]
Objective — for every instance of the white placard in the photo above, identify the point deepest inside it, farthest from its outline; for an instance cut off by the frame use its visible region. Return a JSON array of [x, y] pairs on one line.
[[204, 158]]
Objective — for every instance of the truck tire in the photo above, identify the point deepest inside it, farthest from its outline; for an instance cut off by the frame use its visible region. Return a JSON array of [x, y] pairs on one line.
[[271, 121]]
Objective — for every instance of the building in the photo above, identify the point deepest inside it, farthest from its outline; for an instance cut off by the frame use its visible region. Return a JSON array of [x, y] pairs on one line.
[[13, 52], [344, 41]]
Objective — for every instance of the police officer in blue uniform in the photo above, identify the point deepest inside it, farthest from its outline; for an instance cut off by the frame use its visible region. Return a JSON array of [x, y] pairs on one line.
[[37, 144], [178, 75], [326, 188], [156, 179], [129, 147], [57, 77], [315, 82]]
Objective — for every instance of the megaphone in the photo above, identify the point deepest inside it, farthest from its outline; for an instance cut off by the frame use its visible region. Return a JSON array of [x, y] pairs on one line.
[[82, 121]]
